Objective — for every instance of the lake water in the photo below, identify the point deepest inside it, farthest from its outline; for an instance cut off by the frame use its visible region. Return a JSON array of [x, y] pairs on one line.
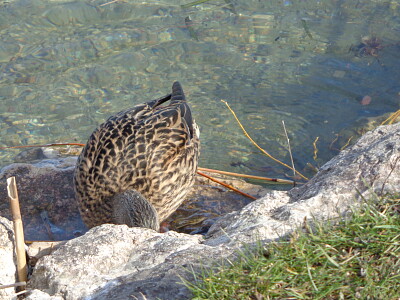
[[326, 68]]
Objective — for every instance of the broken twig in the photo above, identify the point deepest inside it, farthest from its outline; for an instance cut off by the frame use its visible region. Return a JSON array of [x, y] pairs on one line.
[[392, 118], [290, 150], [18, 229], [255, 144], [6, 286], [226, 185], [274, 180], [315, 148]]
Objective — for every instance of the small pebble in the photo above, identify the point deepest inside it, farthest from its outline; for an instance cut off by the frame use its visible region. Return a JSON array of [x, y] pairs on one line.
[[366, 100]]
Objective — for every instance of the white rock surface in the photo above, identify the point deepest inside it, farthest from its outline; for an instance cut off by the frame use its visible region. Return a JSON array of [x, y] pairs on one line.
[[106, 255], [7, 258], [39, 295]]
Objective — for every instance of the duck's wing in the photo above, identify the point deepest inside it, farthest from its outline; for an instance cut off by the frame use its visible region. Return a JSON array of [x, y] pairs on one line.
[[172, 146], [139, 148]]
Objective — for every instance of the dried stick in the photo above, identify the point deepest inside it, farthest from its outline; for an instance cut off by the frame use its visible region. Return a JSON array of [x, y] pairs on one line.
[[111, 2], [187, 5], [255, 144], [347, 143], [392, 118], [18, 229], [45, 145], [275, 180], [6, 286], [290, 149], [226, 185], [316, 148]]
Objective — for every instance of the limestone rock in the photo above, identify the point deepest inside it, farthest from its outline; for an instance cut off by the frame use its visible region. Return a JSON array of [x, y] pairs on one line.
[[117, 262], [371, 166], [7, 259], [252, 223], [39, 295], [112, 252], [37, 250]]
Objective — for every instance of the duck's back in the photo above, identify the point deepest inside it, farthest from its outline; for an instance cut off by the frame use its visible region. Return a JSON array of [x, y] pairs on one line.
[[151, 148]]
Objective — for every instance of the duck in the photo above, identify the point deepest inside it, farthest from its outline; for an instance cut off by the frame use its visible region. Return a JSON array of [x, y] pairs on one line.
[[137, 166]]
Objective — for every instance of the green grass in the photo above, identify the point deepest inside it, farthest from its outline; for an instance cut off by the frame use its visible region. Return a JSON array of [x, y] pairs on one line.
[[357, 258]]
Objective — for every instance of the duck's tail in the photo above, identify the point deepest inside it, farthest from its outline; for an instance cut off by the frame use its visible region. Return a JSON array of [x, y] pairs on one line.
[[178, 98], [178, 104], [177, 92]]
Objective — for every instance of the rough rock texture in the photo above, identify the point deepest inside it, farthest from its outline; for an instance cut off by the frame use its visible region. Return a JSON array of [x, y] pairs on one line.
[[43, 186], [117, 262], [121, 254], [254, 222], [7, 259], [39, 295], [371, 166]]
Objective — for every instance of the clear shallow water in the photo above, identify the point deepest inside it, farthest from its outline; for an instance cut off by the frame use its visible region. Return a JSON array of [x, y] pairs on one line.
[[66, 66]]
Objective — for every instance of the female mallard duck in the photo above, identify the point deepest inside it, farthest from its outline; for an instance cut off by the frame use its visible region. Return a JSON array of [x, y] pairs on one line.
[[138, 166]]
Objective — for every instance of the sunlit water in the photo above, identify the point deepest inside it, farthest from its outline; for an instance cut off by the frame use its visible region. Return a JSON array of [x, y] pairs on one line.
[[66, 66]]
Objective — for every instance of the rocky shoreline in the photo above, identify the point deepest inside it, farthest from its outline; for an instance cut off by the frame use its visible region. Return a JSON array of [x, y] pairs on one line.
[[117, 262]]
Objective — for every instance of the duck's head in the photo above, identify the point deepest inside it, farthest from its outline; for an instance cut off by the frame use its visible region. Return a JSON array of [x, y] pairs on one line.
[[132, 209]]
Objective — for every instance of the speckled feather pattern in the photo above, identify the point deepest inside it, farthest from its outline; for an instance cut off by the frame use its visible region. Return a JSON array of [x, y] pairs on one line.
[[152, 148]]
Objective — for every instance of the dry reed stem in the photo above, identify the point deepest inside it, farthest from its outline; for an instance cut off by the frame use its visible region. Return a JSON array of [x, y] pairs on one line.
[[275, 180], [18, 229], [315, 148], [6, 286], [22, 292], [41, 146], [391, 118], [111, 2], [255, 144], [333, 142], [347, 143], [227, 185], [290, 150]]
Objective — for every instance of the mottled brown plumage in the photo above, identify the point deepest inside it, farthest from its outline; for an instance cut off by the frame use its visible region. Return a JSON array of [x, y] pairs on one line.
[[137, 166]]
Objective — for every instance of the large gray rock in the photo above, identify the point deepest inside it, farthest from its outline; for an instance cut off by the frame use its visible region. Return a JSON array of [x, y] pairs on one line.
[[116, 262], [111, 257], [43, 186], [7, 258]]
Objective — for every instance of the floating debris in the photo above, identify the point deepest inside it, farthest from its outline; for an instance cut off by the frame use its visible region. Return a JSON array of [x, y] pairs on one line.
[[369, 46], [26, 79], [306, 29], [366, 100], [194, 3], [231, 7], [189, 26], [339, 74]]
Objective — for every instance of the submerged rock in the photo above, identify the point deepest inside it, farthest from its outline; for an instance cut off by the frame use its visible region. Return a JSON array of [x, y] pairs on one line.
[[45, 186]]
